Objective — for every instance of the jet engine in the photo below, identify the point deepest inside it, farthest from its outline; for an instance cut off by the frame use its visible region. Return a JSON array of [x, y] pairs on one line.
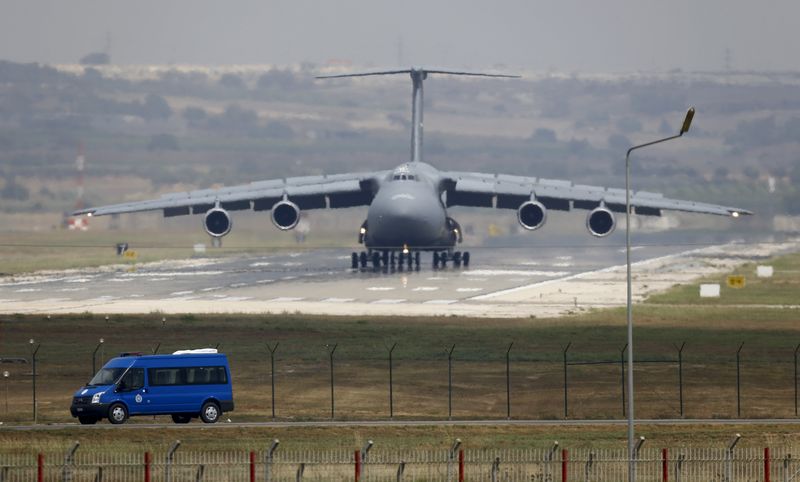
[[532, 215], [217, 222], [601, 222], [285, 215]]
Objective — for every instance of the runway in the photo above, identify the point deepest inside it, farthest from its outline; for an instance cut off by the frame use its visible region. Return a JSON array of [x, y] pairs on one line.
[[404, 423], [501, 282]]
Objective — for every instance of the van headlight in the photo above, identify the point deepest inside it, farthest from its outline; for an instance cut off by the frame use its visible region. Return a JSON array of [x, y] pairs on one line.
[[96, 397]]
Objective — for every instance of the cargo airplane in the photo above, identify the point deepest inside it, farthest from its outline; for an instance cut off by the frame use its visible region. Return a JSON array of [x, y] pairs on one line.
[[407, 206]]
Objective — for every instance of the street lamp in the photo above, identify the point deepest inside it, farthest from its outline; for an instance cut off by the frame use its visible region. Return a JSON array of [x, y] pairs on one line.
[[687, 122], [94, 356]]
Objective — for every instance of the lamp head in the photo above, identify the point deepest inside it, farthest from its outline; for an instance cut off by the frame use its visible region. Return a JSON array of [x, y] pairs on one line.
[[687, 121]]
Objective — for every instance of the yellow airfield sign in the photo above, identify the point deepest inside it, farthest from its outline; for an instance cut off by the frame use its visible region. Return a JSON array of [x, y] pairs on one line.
[[736, 281], [130, 254]]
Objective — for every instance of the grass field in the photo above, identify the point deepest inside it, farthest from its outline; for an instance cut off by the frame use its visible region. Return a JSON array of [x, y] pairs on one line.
[[712, 333]]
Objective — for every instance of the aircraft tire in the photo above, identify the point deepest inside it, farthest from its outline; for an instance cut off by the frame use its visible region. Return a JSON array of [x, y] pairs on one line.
[[354, 260], [362, 258], [465, 258], [376, 260], [435, 259]]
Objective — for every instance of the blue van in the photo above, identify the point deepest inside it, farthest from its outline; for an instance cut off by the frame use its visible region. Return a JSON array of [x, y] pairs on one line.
[[187, 384]]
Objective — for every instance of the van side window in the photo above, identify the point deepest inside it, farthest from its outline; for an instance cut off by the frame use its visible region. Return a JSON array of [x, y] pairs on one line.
[[187, 376], [133, 380], [206, 376], [166, 376]]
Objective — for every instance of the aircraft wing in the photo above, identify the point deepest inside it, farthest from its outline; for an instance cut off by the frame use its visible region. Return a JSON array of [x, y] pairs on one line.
[[308, 192], [506, 191]]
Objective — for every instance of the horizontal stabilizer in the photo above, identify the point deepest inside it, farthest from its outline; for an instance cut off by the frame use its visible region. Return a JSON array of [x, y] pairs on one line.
[[419, 71]]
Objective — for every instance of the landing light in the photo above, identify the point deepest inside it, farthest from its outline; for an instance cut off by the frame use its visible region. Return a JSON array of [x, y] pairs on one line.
[[363, 230], [88, 215], [735, 214], [405, 249]]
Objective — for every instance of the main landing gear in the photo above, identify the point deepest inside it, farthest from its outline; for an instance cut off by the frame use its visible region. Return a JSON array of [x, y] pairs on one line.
[[386, 259], [458, 259]]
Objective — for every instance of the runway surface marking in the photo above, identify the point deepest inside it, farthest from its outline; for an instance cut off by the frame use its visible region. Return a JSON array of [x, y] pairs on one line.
[[338, 300], [389, 301]]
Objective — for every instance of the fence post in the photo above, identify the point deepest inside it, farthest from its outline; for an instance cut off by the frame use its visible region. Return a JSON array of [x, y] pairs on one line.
[[729, 458], [391, 381], [252, 466], [147, 467], [680, 375], [508, 381], [664, 466], [34, 351], [679, 467], [738, 384], [331, 351], [565, 379], [357, 458], [564, 460], [786, 464], [201, 471], [795, 378], [99, 476], [495, 468], [268, 461], [168, 465], [622, 375], [400, 469], [461, 465], [450, 382], [272, 372], [300, 470], [451, 457], [365, 457], [40, 467], [69, 460], [766, 464], [588, 468]]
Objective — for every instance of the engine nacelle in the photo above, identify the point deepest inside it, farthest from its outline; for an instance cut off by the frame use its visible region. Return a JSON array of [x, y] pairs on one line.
[[532, 215], [285, 215], [217, 222], [601, 222]]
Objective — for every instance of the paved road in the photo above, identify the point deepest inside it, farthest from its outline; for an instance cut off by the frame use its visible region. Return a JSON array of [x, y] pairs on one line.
[[407, 423]]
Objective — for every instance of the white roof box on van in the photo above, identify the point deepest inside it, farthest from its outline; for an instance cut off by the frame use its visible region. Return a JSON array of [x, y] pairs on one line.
[[196, 351]]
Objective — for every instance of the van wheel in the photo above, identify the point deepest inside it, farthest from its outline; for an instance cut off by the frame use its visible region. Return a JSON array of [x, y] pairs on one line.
[[180, 418], [86, 420], [210, 412], [117, 414]]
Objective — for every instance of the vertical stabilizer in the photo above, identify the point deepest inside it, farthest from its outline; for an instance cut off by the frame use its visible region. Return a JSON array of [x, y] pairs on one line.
[[418, 75]]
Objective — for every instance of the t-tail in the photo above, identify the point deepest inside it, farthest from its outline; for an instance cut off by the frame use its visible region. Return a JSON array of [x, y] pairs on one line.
[[418, 75]]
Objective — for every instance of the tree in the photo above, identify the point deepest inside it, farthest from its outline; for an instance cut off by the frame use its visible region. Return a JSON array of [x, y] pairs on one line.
[[155, 107], [13, 190], [544, 136]]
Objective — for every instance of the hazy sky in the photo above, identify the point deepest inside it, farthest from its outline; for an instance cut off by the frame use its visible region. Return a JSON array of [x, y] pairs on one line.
[[566, 35]]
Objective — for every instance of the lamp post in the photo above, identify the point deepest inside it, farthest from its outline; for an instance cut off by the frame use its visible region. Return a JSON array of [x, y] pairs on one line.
[[94, 356], [631, 447]]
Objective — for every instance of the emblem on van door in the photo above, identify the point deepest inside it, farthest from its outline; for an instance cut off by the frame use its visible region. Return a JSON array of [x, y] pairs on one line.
[[138, 398]]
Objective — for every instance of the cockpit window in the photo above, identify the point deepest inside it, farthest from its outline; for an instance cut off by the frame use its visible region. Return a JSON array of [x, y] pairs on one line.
[[404, 177]]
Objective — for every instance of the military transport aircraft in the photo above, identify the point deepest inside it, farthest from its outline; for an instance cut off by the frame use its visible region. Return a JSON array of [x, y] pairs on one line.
[[408, 205]]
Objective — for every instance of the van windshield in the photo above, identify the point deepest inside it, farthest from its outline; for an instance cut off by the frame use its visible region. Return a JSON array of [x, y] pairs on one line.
[[106, 376]]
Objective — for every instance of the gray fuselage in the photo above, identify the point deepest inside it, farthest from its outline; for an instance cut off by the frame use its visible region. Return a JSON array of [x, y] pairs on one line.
[[407, 211]]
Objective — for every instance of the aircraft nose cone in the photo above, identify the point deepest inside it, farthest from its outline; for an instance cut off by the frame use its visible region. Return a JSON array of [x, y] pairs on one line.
[[405, 223]]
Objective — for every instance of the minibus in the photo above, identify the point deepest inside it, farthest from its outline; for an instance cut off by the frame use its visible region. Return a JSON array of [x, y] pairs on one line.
[[186, 385]]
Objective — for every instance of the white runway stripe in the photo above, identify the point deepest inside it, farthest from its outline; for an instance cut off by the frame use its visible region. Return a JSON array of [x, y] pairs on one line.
[[468, 290], [389, 301], [426, 288], [338, 300], [181, 293], [284, 299], [439, 302], [380, 288]]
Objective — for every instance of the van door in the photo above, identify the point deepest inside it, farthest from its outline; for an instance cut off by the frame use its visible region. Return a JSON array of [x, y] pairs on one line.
[[168, 390], [132, 391]]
